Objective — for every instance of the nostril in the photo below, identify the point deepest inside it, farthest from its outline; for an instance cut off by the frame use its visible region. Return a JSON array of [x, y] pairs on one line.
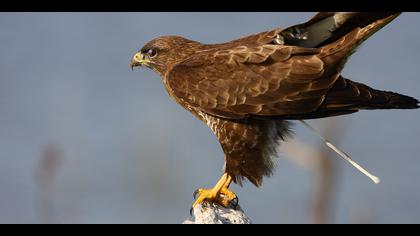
[[139, 57]]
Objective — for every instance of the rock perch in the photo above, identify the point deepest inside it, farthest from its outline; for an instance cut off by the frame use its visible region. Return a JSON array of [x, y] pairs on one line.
[[209, 213]]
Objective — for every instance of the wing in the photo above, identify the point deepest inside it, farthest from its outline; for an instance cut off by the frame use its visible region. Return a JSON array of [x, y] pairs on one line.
[[261, 77], [257, 80], [327, 27]]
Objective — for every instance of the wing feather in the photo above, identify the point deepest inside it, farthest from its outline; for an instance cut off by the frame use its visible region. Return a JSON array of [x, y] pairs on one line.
[[256, 80]]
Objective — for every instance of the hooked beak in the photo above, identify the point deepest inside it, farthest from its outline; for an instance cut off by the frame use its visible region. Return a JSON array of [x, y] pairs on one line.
[[138, 60]]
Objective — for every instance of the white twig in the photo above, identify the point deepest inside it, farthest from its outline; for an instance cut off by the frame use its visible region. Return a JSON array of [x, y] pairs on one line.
[[342, 154]]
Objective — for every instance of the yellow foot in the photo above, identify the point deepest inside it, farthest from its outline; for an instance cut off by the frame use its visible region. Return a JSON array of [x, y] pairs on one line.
[[220, 194]]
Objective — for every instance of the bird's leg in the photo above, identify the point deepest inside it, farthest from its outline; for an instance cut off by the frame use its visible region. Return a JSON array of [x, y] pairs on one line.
[[220, 193], [228, 197]]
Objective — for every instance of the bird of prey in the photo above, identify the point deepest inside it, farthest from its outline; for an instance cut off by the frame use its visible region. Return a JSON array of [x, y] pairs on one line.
[[249, 89]]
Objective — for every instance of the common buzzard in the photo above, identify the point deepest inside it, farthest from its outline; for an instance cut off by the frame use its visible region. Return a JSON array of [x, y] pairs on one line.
[[247, 89]]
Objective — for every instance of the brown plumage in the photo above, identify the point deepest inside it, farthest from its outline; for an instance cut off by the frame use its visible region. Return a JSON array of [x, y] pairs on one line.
[[245, 90]]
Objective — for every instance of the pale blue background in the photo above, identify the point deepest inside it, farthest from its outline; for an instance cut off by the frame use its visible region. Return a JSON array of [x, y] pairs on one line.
[[131, 155]]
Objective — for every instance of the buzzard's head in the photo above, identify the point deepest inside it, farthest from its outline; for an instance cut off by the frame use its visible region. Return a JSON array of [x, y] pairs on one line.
[[162, 53]]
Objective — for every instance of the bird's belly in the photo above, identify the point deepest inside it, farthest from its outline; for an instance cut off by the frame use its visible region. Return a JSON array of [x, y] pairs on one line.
[[249, 145]]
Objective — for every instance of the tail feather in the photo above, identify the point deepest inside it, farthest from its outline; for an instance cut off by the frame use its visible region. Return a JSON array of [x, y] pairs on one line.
[[391, 100], [399, 101], [347, 94], [347, 97]]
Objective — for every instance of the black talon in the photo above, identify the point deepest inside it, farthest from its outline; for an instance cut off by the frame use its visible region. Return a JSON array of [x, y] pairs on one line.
[[191, 211], [235, 202], [195, 194]]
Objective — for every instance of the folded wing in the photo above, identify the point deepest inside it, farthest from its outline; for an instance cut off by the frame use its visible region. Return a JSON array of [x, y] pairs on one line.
[[294, 75], [259, 80]]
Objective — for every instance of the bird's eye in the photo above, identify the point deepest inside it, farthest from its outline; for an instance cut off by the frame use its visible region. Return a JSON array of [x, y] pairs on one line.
[[151, 52]]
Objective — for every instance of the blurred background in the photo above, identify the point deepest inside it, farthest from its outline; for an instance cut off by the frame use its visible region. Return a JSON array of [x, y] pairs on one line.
[[83, 139]]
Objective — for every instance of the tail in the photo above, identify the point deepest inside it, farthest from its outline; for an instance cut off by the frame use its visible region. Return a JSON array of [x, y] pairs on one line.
[[347, 97], [350, 95], [328, 27]]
